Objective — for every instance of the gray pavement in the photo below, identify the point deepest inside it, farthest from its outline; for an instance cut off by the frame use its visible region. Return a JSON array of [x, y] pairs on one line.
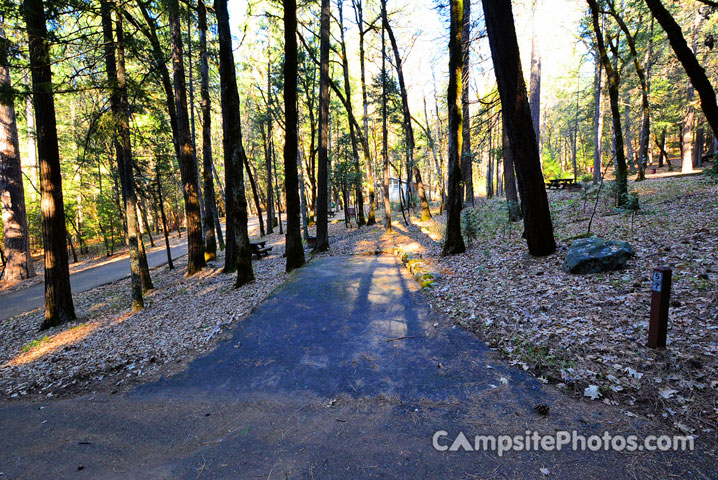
[[30, 298]]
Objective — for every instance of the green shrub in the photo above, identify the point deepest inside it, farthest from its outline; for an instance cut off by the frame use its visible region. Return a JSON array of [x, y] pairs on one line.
[[470, 225]]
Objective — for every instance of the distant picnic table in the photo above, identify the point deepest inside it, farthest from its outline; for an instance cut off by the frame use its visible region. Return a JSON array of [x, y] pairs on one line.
[[259, 249], [559, 183]]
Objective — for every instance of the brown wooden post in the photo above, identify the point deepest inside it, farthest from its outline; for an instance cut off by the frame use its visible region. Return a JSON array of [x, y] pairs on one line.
[[660, 301]]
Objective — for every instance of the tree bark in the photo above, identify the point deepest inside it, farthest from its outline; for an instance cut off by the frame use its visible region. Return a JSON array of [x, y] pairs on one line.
[[114, 61], [17, 262], [239, 254], [294, 247], [358, 190], [687, 134], [613, 81], [515, 104], [59, 307], [598, 122], [466, 153], [454, 242], [255, 195], [698, 148], [359, 14], [535, 80], [512, 198], [149, 30], [408, 128], [628, 133], [210, 202], [190, 82], [384, 130], [165, 229], [322, 243], [271, 215], [190, 183]]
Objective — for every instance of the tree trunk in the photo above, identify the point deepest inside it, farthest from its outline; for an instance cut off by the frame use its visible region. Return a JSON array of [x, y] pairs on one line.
[[271, 216], [598, 122], [645, 135], [359, 14], [512, 199], [408, 128], [384, 130], [17, 263], [352, 133], [490, 165], [627, 127], [276, 191], [59, 307], [454, 242], [535, 80], [192, 124], [613, 81], [436, 157], [140, 276], [466, 154], [210, 203], [294, 248], [698, 148], [323, 160], [31, 134], [149, 30], [239, 254], [165, 230], [190, 183], [515, 104], [255, 195], [663, 156]]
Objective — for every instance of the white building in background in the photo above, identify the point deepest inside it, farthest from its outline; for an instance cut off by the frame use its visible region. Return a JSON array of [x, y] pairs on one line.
[[394, 189]]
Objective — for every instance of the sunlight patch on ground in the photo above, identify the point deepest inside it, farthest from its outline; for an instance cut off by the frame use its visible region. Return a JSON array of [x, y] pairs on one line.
[[47, 345]]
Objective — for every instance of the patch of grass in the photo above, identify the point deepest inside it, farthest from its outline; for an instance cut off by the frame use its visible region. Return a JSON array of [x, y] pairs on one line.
[[539, 357], [34, 344]]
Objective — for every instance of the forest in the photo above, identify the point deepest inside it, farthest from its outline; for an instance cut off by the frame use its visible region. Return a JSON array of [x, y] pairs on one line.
[[168, 166]]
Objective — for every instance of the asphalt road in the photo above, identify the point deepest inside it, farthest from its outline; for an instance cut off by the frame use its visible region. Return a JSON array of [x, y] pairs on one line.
[[30, 298], [344, 372], [21, 301]]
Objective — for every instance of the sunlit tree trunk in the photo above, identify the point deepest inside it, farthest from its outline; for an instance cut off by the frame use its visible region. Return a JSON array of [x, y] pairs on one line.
[[190, 183], [239, 254], [466, 153], [454, 242], [515, 105], [18, 260], [59, 307], [385, 132]]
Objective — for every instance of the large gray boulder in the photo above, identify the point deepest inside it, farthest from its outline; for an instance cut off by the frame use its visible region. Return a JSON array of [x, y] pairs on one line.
[[594, 255]]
